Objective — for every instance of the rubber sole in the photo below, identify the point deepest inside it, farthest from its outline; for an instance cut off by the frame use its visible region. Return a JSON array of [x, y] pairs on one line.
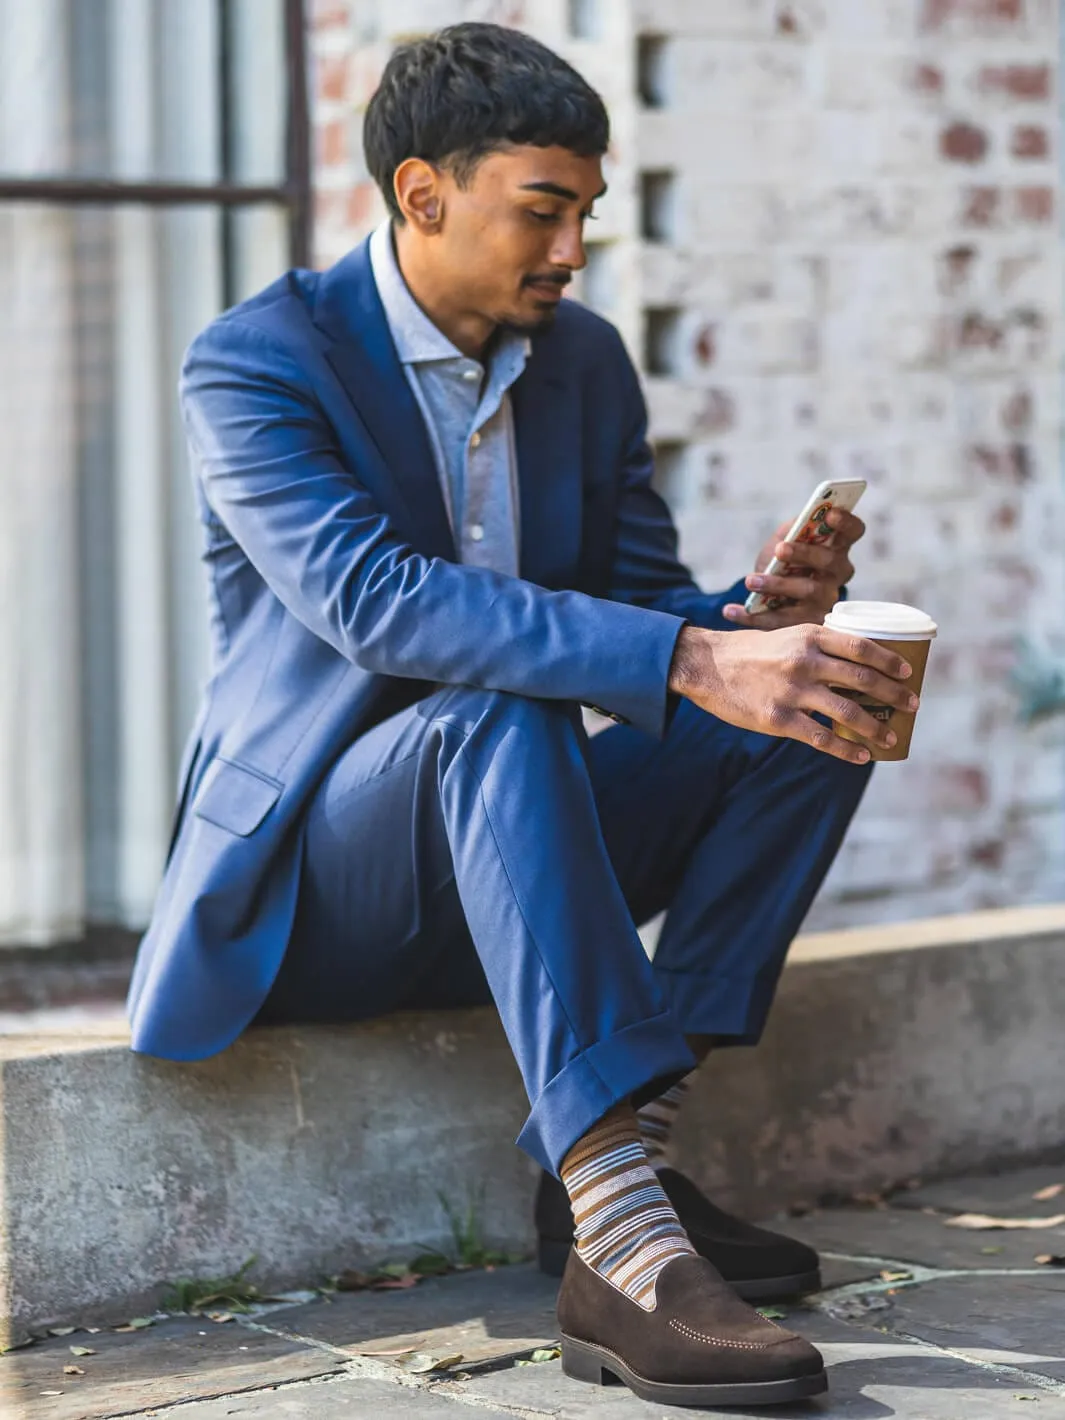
[[583, 1361], [553, 1255]]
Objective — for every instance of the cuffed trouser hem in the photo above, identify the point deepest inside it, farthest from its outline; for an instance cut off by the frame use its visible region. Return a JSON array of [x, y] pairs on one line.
[[599, 1078], [705, 1004]]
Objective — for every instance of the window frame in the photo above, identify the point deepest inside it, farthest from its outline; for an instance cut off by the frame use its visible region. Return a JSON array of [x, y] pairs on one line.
[[293, 194]]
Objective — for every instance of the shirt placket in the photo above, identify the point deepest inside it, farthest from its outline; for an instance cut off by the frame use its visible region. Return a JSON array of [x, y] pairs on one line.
[[479, 534]]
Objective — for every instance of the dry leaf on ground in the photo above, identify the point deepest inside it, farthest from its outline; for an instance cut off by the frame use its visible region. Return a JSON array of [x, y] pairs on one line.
[[73, 1371], [978, 1222], [541, 1354], [82, 1351], [422, 1362], [375, 1281]]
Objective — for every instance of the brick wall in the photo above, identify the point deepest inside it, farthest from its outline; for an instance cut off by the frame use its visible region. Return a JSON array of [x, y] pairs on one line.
[[832, 243]]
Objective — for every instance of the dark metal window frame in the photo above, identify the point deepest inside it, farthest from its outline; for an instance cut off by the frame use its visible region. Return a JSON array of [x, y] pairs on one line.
[[293, 194]]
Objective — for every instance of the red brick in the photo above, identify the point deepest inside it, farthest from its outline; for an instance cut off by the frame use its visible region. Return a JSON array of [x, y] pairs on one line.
[[963, 143], [988, 853], [332, 77], [325, 14], [1030, 141], [1017, 81], [1017, 411], [938, 14], [333, 143], [1004, 517], [1010, 464], [1034, 205], [360, 201], [960, 788], [981, 206], [928, 79], [977, 332], [706, 345], [718, 412], [956, 269]]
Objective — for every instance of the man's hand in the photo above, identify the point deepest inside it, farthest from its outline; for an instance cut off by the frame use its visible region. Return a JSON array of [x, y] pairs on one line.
[[775, 682], [816, 571]]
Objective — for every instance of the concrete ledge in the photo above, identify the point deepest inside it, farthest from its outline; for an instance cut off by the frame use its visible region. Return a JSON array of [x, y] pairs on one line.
[[921, 1048]]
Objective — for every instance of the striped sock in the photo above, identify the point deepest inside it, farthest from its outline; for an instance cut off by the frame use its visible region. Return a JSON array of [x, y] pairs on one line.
[[626, 1229], [656, 1121]]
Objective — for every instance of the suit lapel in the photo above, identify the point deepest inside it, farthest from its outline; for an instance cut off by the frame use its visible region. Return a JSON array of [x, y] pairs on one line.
[[349, 311], [548, 438]]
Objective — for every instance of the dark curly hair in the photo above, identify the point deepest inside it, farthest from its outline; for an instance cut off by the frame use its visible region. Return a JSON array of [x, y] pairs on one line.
[[469, 90]]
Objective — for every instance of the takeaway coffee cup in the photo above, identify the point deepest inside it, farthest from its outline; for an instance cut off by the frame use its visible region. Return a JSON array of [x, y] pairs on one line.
[[902, 629]]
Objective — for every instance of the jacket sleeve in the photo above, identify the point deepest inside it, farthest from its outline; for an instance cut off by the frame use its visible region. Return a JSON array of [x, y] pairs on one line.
[[647, 571], [274, 478]]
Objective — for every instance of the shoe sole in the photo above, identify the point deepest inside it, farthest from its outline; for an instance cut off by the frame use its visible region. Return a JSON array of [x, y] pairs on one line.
[[583, 1361], [552, 1257]]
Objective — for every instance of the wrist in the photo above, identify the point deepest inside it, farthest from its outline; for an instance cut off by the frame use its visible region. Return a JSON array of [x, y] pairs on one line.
[[691, 657]]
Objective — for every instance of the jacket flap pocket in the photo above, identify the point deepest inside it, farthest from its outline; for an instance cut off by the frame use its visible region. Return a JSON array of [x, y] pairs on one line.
[[235, 798]]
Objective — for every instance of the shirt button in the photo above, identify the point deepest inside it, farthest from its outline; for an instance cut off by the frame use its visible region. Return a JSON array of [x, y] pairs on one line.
[[476, 532], [471, 375], [475, 439]]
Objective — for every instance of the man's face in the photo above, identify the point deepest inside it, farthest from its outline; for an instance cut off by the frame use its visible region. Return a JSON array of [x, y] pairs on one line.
[[512, 237]]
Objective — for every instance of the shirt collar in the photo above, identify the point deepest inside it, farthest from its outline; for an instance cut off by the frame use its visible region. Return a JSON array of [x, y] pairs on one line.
[[417, 339]]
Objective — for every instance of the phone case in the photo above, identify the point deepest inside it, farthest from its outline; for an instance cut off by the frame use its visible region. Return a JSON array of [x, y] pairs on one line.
[[809, 526]]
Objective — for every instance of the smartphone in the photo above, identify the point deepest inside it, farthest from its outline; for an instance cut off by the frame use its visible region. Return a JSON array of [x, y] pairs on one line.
[[809, 526]]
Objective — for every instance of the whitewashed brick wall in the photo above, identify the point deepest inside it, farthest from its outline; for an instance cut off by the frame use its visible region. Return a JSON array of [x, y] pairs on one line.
[[855, 269]]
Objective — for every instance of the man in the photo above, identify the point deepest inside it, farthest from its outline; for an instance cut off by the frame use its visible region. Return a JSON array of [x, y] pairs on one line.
[[431, 536]]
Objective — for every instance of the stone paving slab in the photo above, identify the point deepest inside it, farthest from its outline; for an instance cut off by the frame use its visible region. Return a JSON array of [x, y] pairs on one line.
[[906, 1235], [350, 1398], [485, 1317], [1016, 1321], [870, 1376], [177, 1360], [1005, 1195], [966, 1337]]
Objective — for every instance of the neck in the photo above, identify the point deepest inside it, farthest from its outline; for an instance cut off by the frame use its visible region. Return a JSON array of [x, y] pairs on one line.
[[467, 330]]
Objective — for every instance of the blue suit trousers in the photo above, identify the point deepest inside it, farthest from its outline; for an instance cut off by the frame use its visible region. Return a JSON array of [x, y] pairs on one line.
[[480, 847]]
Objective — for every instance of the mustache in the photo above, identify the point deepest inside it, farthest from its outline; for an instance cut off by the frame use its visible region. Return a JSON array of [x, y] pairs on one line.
[[560, 279]]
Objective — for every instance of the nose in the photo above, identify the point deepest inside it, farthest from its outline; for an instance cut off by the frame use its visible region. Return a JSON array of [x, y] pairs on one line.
[[567, 250]]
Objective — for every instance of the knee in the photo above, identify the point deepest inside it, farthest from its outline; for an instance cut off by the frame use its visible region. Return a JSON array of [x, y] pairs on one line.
[[471, 710]]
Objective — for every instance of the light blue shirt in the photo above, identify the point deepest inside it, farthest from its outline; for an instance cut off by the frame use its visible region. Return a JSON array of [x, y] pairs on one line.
[[468, 415]]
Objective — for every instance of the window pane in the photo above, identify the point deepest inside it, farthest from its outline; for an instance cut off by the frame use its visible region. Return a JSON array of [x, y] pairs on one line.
[[131, 89], [103, 605]]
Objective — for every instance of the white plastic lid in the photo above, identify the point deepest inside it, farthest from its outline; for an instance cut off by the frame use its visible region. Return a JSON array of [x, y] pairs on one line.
[[889, 620]]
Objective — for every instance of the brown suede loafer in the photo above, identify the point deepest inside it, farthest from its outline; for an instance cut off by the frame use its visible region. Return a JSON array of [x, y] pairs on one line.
[[759, 1265], [700, 1346]]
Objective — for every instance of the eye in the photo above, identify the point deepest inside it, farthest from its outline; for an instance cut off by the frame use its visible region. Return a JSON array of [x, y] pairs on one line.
[[543, 216]]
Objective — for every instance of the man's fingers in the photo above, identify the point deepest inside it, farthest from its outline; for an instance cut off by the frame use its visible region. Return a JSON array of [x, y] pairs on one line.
[[796, 725], [796, 588], [758, 621], [851, 715], [807, 554], [864, 680], [848, 528], [845, 646]]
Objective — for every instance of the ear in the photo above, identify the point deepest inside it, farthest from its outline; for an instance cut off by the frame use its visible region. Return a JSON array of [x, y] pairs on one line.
[[417, 186]]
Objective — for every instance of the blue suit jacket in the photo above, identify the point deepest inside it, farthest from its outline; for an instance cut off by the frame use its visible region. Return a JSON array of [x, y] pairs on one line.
[[337, 600]]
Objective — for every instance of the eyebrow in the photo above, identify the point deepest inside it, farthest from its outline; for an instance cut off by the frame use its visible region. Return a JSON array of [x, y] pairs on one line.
[[553, 189]]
